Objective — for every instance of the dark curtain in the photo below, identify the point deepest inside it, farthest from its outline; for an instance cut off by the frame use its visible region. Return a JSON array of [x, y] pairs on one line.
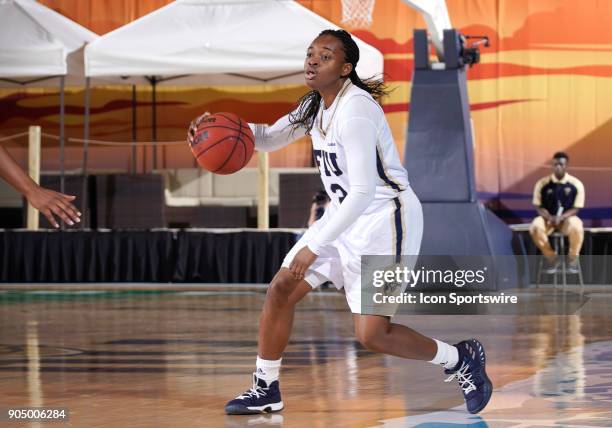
[[192, 256], [141, 256]]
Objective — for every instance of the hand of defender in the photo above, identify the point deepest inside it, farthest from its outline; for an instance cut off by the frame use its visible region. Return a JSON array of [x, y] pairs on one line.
[[49, 202], [301, 262]]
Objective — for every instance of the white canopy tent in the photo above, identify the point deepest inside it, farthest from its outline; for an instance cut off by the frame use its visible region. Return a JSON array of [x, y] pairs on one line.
[[216, 42], [38, 44], [38, 47]]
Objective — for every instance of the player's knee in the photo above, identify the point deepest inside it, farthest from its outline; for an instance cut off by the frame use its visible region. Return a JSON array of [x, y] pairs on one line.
[[371, 339], [280, 289]]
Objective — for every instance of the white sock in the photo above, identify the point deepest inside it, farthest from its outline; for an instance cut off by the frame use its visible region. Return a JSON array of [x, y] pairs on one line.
[[446, 356], [268, 369]]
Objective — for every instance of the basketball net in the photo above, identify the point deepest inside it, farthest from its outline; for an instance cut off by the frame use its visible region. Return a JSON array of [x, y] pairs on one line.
[[357, 13]]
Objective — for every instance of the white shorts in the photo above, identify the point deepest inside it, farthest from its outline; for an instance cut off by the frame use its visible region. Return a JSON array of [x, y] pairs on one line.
[[395, 229]]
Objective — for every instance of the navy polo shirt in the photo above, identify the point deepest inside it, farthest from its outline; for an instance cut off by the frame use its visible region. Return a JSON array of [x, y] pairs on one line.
[[551, 193]]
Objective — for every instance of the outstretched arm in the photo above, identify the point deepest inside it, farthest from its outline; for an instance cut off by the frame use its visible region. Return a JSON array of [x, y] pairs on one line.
[[267, 138], [44, 200], [277, 136]]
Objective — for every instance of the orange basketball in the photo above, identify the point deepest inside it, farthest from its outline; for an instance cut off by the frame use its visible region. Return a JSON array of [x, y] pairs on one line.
[[222, 143]]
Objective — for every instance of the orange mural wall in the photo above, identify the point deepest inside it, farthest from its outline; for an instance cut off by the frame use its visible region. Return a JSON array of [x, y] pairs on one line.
[[544, 84]]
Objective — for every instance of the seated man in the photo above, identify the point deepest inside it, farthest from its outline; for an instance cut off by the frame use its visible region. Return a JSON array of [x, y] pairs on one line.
[[558, 198]]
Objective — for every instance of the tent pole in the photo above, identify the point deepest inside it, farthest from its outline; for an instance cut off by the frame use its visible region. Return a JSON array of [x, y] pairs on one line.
[[134, 153], [154, 120], [62, 142], [84, 221], [144, 159]]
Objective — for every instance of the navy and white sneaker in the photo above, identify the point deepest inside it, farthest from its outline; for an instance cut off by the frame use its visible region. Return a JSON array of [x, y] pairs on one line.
[[261, 398], [471, 375]]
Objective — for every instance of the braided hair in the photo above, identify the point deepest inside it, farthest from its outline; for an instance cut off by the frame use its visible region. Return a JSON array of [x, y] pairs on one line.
[[308, 105]]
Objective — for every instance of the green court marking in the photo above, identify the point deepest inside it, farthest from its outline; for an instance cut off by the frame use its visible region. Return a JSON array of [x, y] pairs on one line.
[[16, 295]]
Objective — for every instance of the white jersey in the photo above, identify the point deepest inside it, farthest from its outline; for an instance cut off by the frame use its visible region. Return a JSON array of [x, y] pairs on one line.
[[355, 153], [354, 118]]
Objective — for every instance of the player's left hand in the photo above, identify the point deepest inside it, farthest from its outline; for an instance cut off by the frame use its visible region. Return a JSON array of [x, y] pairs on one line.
[[301, 262]]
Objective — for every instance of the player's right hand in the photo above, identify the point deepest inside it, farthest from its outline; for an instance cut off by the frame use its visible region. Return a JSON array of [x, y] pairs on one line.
[[193, 127]]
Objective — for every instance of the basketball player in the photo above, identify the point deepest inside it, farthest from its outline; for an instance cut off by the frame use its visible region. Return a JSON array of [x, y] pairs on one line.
[[44, 200], [373, 210]]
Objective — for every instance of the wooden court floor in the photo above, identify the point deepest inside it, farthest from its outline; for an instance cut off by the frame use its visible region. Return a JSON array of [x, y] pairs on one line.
[[172, 359]]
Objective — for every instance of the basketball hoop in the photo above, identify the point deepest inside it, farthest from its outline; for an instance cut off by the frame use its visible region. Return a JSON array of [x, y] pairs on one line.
[[357, 13]]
